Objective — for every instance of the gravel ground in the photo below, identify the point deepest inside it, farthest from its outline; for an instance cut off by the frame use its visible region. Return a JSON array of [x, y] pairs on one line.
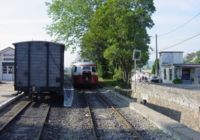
[[108, 125], [144, 127], [68, 123]]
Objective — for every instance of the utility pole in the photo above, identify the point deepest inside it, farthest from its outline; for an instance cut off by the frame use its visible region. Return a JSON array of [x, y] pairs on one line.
[[156, 65], [136, 57], [135, 74]]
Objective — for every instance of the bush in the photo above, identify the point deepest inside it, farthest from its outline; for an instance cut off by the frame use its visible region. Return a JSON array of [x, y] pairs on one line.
[[177, 81], [118, 75]]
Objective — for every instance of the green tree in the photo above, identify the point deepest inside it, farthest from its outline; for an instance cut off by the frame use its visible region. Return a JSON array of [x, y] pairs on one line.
[[92, 48], [118, 27], [197, 59], [155, 64], [190, 57], [193, 57], [105, 28], [70, 19]]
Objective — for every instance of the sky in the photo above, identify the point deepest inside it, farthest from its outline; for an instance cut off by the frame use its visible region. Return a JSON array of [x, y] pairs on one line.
[[22, 20], [170, 21]]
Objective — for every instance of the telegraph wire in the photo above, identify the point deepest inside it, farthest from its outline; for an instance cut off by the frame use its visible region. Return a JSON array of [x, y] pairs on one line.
[[180, 26], [181, 42]]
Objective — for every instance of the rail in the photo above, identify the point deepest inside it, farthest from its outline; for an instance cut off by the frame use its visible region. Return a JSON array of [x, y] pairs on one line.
[[121, 116], [91, 118], [42, 122], [7, 118], [11, 115]]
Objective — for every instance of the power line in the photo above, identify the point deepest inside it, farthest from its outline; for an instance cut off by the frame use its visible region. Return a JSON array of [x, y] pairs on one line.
[[181, 26], [181, 42]]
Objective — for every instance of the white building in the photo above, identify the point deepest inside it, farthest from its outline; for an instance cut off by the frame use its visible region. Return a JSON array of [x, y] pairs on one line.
[[140, 75], [7, 64], [172, 67]]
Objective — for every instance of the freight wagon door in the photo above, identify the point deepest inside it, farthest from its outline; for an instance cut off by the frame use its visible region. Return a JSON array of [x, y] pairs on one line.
[[38, 64], [56, 53]]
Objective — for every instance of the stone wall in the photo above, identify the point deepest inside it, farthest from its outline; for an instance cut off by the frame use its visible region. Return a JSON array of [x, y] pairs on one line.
[[178, 103]]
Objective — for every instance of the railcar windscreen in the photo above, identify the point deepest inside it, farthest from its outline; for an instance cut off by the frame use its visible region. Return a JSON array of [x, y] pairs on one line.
[[94, 69], [74, 68], [86, 68]]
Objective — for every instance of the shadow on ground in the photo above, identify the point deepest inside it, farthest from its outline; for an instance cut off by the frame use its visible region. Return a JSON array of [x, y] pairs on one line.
[[174, 114]]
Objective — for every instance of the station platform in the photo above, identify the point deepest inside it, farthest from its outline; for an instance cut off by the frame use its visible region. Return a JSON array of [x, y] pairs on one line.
[[7, 93]]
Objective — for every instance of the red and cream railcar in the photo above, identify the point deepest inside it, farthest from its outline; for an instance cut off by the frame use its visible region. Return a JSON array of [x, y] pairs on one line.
[[84, 73]]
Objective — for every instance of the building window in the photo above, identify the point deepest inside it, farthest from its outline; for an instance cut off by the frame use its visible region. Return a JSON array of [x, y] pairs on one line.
[[10, 69], [170, 74], [165, 74], [4, 69], [175, 73]]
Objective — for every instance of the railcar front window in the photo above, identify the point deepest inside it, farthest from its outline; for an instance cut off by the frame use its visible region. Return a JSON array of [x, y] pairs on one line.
[[94, 69], [75, 68], [86, 68]]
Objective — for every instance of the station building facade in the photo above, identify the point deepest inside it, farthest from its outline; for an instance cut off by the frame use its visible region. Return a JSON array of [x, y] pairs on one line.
[[172, 67], [7, 64]]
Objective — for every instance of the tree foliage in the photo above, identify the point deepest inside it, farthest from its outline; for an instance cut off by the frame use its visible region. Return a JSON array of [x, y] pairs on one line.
[[193, 57], [115, 29], [70, 18], [108, 30], [155, 64]]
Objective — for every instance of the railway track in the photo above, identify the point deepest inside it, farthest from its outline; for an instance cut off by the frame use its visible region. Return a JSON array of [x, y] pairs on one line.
[[108, 104], [92, 121], [8, 117], [127, 124], [24, 121]]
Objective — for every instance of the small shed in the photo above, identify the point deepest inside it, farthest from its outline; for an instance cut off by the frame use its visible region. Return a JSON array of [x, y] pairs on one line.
[[7, 64]]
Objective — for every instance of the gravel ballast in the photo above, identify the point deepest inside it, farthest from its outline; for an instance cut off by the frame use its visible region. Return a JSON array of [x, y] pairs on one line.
[[144, 127], [68, 123], [108, 125]]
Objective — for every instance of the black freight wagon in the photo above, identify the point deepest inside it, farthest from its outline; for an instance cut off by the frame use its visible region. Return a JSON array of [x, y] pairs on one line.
[[39, 67]]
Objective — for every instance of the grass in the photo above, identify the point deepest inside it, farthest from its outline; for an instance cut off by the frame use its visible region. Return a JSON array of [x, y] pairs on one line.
[[113, 83]]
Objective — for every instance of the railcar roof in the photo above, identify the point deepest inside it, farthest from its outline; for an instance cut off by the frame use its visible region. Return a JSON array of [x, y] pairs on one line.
[[84, 64], [38, 41]]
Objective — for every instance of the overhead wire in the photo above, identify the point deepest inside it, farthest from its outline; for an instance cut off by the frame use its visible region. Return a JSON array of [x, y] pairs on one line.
[[181, 42], [180, 26]]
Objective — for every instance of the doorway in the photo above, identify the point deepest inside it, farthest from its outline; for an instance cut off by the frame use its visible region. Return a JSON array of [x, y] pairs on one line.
[[8, 71]]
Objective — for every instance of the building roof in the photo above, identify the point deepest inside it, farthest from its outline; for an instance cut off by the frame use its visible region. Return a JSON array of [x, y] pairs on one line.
[[188, 65], [8, 48], [171, 52], [84, 64], [183, 65]]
